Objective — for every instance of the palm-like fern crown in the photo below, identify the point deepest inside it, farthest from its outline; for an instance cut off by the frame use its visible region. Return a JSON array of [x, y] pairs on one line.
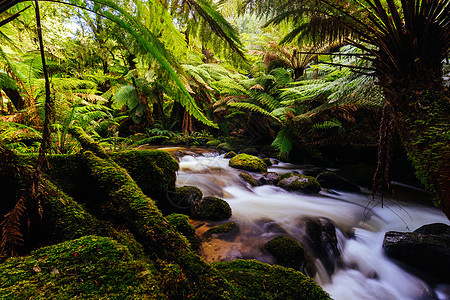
[[409, 37]]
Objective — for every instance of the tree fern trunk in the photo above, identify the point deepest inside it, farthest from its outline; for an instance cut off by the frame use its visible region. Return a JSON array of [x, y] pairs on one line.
[[422, 119]]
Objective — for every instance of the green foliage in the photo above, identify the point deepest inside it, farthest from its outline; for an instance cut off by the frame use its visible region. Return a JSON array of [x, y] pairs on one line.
[[283, 141], [21, 138]]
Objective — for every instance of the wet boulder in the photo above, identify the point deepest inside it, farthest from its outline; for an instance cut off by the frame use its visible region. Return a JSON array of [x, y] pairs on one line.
[[248, 162], [248, 178], [287, 252], [184, 198], [330, 180], [267, 161], [321, 241], [299, 182], [270, 178], [211, 208], [426, 250]]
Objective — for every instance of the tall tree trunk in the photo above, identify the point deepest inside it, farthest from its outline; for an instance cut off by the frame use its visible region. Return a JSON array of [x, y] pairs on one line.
[[421, 112]]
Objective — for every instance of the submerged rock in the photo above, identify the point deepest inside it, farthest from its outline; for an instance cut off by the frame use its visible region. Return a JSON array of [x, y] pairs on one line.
[[221, 229], [299, 182], [211, 208], [248, 162], [287, 252], [427, 249], [330, 180]]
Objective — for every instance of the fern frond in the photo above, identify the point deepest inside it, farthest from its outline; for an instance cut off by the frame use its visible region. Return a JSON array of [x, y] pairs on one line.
[[254, 108], [283, 141]]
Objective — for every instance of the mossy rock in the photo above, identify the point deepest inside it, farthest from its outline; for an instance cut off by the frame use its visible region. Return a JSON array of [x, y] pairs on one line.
[[91, 267], [230, 154], [225, 147], [212, 208], [248, 162], [223, 228], [299, 182], [181, 223], [249, 179], [267, 161], [213, 143], [287, 252], [255, 280], [184, 198]]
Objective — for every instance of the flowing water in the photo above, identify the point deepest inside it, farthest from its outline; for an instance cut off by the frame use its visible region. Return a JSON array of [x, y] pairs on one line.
[[265, 212]]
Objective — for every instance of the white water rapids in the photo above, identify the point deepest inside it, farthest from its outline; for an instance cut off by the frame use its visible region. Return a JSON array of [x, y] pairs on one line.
[[364, 271]]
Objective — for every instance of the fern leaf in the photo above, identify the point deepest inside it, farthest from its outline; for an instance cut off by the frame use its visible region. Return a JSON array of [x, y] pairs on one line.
[[255, 108], [284, 139]]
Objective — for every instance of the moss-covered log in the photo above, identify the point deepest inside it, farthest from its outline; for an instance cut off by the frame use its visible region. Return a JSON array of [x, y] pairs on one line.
[[150, 228]]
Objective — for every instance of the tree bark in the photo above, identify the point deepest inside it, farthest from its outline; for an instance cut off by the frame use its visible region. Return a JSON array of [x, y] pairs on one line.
[[421, 114], [15, 98]]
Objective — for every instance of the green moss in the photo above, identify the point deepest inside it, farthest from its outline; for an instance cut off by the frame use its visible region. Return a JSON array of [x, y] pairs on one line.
[[424, 128], [88, 268], [256, 280], [147, 224], [299, 182], [212, 208], [87, 143], [153, 170], [248, 162], [182, 225], [213, 143], [223, 228], [287, 252], [248, 178]]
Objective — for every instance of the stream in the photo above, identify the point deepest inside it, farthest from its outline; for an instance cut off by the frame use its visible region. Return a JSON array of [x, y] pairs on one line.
[[265, 212]]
